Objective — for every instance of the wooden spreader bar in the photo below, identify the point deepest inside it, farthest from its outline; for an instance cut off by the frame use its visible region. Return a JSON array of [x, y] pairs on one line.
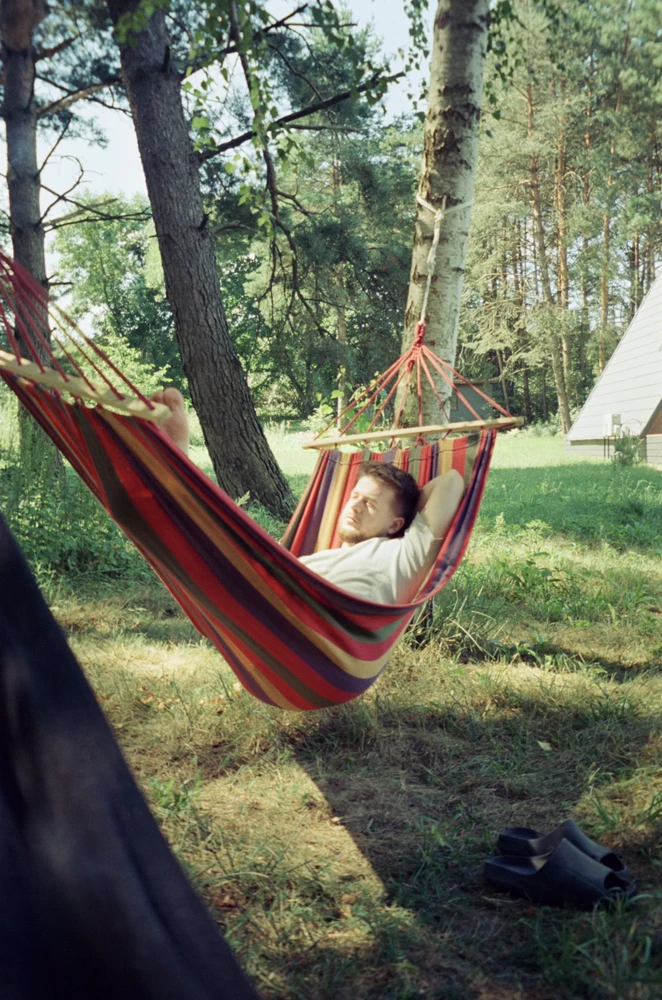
[[131, 406], [407, 432]]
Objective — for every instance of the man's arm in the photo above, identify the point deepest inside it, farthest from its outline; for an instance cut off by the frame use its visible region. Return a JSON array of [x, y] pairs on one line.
[[439, 500], [176, 425]]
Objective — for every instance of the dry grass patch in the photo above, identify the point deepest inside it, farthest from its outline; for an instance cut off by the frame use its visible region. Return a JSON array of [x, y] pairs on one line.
[[341, 850]]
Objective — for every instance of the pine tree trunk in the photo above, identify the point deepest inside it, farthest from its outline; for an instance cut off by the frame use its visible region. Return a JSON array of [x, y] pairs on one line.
[[553, 341], [635, 298], [650, 264], [241, 457], [18, 21], [341, 401], [522, 339], [583, 308], [502, 379], [604, 286], [563, 281], [450, 147], [653, 187]]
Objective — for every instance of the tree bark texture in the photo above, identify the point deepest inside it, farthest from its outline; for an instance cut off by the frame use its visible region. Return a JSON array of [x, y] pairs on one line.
[[563, 280], [18, 21], [242, 459], [522, 338], [604, 288], [450, 147], [553, 340]]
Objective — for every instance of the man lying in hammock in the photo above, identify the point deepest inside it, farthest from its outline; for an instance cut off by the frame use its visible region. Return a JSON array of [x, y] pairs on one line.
[[390, 530]]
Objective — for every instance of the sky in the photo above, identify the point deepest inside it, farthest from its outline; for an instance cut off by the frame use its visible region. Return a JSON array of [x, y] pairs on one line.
[[117, 168]]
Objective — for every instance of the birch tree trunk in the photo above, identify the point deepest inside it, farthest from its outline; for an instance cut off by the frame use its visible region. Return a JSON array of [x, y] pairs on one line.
[[237, 446], [450, 148]]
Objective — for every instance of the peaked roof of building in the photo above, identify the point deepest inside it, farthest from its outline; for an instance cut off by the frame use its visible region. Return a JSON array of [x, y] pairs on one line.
[[631, 384]]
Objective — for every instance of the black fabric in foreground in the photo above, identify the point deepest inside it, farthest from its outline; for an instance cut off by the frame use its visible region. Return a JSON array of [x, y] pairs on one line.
[[92, 901]]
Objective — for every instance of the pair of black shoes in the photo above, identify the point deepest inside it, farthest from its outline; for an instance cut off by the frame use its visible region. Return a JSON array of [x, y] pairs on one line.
[[563, 868]]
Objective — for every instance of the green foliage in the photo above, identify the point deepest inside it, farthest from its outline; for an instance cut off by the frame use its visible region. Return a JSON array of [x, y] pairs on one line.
[[575, 90], [330, 293], [54, 517], [628, 450], [131, 362], [277, 70], [313, 228], [117, 291], [78, 62]]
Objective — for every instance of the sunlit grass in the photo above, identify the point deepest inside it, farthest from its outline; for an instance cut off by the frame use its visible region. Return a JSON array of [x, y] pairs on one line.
[[341, 850]]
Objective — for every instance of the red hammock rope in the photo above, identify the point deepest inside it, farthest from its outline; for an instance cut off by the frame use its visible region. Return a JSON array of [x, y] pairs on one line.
[[25, 309], [417, 360], [26, 314], [293, 639]]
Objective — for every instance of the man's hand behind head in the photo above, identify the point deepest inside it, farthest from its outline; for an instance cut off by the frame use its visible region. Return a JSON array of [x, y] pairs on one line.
[[175, 426]]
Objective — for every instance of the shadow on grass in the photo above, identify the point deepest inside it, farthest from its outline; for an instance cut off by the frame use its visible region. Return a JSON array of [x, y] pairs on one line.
[[584, 501], [552, 656], [424, 791]]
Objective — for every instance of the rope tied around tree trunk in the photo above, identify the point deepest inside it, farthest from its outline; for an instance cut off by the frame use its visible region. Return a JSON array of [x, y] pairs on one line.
[[439, 216], [400, 376]]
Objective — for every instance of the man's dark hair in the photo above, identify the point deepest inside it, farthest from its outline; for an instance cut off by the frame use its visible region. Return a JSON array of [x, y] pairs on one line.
[[404, 486]]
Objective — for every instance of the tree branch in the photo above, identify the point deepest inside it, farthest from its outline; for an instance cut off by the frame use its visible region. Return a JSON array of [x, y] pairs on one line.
[[56, 144], [72, 96], [81, 208], [295, 201], [62, 197], [272, 186], [312, 109], [56, 49], [295, 72], [324, 128], [230, 50]]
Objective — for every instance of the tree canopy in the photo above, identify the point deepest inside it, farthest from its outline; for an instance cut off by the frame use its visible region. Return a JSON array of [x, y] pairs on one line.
[[312, 217]]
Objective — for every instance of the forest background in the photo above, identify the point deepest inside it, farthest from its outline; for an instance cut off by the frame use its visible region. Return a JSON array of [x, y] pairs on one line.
[[564, 238], [341, 851]]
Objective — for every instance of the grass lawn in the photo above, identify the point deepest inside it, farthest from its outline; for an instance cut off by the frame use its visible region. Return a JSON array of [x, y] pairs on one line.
[[341, 850]]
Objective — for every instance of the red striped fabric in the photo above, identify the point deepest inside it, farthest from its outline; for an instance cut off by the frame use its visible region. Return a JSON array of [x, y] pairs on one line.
[[293, 639]]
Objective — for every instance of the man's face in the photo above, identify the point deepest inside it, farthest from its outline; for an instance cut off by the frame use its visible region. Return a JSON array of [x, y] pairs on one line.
[[370, 512]]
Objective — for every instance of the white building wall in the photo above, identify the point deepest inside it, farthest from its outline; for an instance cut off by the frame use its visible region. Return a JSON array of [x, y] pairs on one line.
[[631, 384]]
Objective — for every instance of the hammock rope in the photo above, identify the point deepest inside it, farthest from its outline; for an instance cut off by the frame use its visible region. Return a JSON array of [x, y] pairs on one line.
[[293, 639], [439, 216], [418, 359]]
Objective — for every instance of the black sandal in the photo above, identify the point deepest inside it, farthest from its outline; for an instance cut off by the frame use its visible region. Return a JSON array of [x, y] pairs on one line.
[[566, 877], [520, 841]]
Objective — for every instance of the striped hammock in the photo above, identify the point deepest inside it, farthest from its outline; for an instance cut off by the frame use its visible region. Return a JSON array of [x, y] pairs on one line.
[[293, 639]]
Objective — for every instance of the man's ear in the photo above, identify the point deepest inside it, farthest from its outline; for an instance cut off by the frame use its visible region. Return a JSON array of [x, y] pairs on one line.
[[397, 526]]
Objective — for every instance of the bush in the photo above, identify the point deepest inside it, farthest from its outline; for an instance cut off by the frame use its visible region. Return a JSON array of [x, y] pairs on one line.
[[59, 525], [628, 450]]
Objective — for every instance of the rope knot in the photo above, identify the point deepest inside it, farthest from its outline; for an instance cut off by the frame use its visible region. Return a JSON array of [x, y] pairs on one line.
[[419, 334]]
